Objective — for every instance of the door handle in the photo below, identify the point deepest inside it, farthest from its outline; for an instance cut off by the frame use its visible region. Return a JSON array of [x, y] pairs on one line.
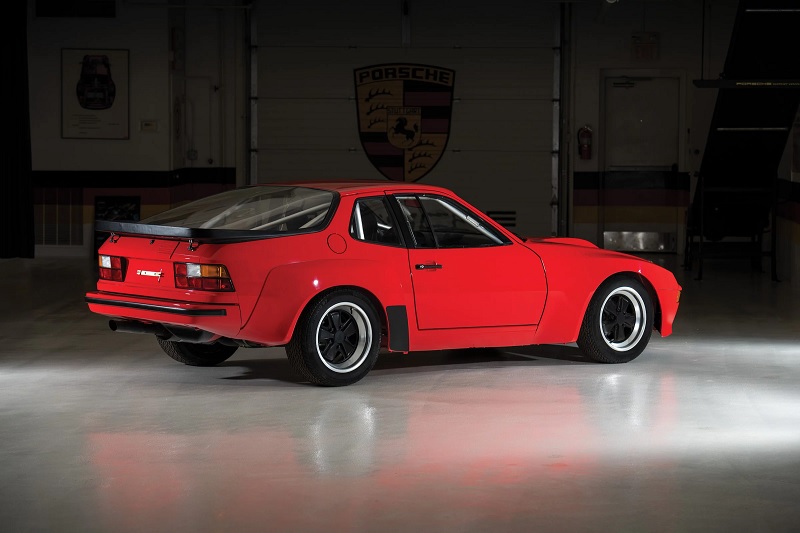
[[428, 266]]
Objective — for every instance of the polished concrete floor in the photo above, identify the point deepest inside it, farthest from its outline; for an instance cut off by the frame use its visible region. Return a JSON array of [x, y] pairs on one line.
[[101, 431]]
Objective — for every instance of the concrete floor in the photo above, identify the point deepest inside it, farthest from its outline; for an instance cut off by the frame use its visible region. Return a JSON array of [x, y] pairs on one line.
[[101, 431]]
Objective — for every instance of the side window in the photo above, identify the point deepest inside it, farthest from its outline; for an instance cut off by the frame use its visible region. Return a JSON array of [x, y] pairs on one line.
[[437, 222], [417, 222], [372, 222]]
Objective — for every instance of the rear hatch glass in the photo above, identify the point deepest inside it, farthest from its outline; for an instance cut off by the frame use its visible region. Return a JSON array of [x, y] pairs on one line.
[[266, 209]]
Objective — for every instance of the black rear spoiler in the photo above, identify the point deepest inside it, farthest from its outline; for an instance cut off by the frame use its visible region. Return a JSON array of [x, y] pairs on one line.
[[205, 235]]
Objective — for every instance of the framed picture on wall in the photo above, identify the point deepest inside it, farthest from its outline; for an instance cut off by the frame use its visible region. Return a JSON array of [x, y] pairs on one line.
[[94, 94]]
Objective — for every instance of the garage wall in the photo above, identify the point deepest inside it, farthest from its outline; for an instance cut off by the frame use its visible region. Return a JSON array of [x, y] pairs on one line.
[[788, 222], [208, 78], [499, 151], [603, 46], [149, 86], [186, 101], [602, 36]]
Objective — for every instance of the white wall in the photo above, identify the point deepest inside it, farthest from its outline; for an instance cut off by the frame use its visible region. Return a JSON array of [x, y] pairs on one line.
[[689, 48], [498, 155], [208, 83], [208, 91], [211, 78], [142, 31], [602, 41]]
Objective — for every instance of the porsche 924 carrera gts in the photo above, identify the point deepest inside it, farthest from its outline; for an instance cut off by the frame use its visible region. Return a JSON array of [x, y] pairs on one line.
[[337, 271]]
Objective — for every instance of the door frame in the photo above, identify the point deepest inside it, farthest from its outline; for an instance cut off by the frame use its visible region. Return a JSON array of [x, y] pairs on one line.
[[644, 73], [683, 120]]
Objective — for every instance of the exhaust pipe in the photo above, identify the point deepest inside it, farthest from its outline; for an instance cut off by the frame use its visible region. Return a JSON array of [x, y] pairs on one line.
[[171, 333], [131, 326]]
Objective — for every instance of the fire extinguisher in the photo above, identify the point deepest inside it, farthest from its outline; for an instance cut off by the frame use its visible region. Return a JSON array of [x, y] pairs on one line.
[[585, 142]]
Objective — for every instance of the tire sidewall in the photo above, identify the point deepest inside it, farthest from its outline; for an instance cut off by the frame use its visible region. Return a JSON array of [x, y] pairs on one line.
[[197, 354], [591, 338], [310, 323]]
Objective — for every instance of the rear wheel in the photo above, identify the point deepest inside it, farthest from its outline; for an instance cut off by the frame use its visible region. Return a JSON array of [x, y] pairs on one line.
[[618, 323], [336, 340], [197, 354]]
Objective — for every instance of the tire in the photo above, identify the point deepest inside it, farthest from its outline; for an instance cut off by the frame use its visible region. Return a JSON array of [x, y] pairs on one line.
[[336, 340], [197, 354], [618, 322]]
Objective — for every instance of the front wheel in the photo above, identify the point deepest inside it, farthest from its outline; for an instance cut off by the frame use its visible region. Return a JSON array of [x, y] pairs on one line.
[[618, 323], [197, 354], [336, 340]]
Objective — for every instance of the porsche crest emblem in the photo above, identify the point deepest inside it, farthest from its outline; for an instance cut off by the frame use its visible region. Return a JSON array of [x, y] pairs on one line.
[[404, 114]]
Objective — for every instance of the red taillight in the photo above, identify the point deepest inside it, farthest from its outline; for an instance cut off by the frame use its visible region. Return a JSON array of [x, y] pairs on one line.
[[112, 268], [202, 277]]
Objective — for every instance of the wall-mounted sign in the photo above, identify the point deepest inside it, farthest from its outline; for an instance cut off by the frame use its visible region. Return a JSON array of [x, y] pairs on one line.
[[404, 115], [94, 94]]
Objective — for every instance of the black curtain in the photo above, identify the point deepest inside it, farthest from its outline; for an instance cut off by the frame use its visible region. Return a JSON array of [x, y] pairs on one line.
[[16, 187]]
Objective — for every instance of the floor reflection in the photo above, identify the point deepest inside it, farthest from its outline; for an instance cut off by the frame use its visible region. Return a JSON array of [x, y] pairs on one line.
[[483, 439], [102, 432]]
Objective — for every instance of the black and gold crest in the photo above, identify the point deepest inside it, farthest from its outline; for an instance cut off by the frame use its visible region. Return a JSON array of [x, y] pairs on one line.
[[404, 115]]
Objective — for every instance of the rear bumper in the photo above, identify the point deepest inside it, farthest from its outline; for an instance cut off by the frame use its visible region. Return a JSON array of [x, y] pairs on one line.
[[222, 319], [183, 310]]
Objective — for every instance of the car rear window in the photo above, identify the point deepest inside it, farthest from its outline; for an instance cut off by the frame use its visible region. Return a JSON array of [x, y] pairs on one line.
[[261, 208]]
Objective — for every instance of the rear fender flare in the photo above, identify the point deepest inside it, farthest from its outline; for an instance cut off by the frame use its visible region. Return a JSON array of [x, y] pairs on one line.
[[289, 289]]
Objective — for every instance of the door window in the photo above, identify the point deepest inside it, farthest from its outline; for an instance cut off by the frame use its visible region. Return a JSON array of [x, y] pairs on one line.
[[439, 223]]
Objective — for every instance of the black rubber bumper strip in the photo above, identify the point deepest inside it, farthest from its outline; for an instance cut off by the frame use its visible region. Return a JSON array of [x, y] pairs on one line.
[[159, 308]]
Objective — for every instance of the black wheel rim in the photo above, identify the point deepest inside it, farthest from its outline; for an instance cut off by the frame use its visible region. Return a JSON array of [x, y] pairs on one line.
[[344, 337], [622, 319]]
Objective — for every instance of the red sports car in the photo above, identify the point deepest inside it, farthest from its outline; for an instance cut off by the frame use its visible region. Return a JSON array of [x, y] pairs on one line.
[[336, 271]]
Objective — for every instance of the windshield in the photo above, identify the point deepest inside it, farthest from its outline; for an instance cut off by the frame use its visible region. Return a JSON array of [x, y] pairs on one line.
[[268, 209]]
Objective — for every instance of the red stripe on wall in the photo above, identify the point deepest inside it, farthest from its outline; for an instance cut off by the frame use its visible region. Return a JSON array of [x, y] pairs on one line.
[[147, 195], [632, 197]]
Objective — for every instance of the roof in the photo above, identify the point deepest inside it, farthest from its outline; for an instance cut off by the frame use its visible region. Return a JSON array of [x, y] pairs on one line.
[[346, 187]]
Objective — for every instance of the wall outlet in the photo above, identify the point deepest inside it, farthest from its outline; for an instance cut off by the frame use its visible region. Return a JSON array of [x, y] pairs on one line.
[[150, 126]]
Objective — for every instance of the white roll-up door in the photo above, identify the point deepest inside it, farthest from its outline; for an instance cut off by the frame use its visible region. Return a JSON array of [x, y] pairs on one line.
[[498, 155]]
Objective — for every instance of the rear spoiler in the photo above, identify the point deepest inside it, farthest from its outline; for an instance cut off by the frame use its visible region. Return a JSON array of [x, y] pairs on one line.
[[206, 235]]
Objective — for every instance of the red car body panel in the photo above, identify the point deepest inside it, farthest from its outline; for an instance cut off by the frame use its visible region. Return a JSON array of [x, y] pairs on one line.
[[533, 291], [575, 272], [478, 287]]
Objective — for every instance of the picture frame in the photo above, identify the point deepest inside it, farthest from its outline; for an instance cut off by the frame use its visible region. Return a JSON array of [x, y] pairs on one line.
[[95, 99]]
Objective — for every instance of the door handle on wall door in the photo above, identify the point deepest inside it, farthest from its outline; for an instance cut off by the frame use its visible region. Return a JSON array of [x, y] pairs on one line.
[[428, 266]]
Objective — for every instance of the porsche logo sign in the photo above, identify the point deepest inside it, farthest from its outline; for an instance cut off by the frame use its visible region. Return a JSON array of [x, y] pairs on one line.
[[404, 114]]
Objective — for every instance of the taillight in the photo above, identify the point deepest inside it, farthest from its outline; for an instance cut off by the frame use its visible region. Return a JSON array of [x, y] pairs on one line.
[[112, 267], [202, 277]]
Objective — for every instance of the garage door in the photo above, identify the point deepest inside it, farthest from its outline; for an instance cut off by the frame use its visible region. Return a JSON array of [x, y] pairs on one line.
[[498, 144]]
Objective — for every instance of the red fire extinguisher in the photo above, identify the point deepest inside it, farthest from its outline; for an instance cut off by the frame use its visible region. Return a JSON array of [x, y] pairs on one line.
[[585, 142]]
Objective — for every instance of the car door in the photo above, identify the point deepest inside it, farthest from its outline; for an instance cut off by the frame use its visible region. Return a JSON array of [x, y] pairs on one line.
[[465, 273]]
